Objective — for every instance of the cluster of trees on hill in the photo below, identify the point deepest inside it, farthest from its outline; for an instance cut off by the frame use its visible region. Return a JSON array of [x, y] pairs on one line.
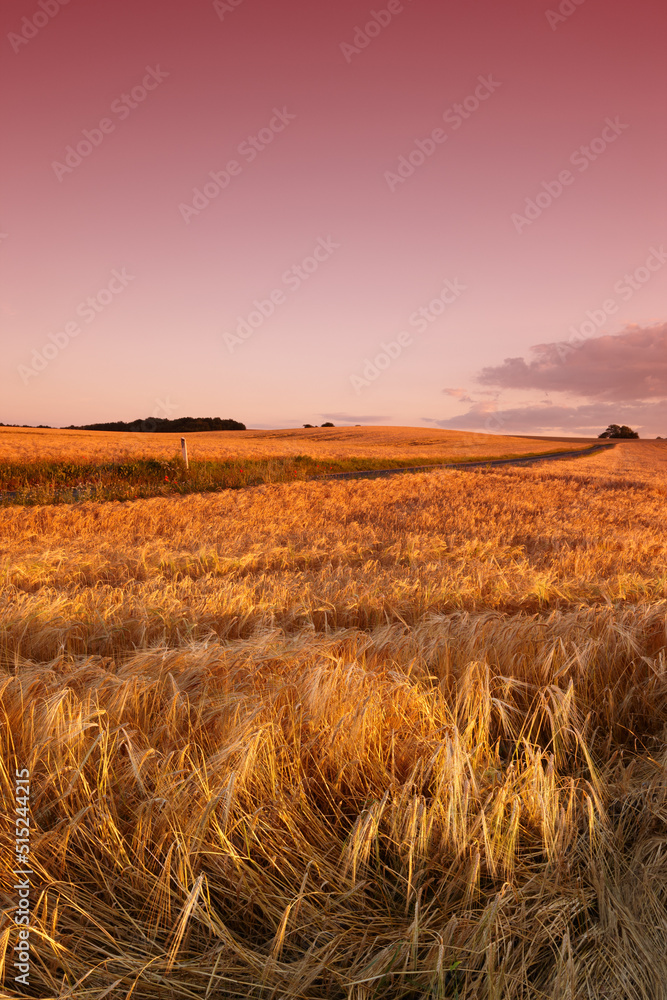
[[614, 431], [159, 425]]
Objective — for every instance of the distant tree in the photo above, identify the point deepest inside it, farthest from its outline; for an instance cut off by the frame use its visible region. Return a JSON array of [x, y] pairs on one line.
[[616, 431], [328, 424], [307, 425]]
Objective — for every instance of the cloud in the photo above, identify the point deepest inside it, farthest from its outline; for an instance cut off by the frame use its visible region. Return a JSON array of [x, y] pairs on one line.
[[354, 419], [585, 420], [625, 367], [460, 394]]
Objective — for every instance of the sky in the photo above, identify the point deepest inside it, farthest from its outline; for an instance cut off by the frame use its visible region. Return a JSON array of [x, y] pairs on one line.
[[408, 213]]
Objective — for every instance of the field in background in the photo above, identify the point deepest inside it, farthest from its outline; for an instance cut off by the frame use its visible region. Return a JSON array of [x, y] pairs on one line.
[[361, 739], [25, 445], [105, 466]]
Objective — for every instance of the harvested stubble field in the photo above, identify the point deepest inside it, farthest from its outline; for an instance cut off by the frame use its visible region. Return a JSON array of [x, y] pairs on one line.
[[361, 739]]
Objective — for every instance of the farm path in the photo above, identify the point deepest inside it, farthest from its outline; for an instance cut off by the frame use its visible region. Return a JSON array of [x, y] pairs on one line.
[[463, 466]]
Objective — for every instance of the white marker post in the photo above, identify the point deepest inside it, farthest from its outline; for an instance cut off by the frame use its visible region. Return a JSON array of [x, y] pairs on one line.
[[184, 449]]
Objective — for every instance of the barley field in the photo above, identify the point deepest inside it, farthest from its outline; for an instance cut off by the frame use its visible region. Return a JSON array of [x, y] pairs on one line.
[[43, 467], [30, 444], [395, 738]]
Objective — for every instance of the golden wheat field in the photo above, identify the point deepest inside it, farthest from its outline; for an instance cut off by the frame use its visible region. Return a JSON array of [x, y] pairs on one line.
[[391, 738], [28, 444]]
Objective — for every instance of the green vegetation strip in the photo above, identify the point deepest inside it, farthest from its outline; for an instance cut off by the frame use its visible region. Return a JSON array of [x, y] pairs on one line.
[[66, 482]]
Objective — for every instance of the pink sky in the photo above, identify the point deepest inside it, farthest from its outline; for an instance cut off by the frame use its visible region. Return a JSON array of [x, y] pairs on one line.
[[316, 224]]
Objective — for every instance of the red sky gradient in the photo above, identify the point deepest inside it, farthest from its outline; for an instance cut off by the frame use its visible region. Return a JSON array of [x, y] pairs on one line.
[[167, 343]]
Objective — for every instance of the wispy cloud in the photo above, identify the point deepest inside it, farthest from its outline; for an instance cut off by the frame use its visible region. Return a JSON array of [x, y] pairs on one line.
[[587, 419], [461, 394]]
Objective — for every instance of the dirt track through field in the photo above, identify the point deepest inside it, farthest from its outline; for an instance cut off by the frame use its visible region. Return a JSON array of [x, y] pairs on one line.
[[462, 466]]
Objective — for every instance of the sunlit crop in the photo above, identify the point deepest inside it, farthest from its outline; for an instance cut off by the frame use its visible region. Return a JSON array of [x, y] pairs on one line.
[[362, 739]]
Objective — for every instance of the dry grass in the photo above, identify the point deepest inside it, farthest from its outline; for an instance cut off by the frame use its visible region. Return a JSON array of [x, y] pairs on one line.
[[400, 738], [24, 445]]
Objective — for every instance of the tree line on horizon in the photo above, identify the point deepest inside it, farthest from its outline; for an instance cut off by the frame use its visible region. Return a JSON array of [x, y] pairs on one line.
[[193, 425], [160, 425]]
